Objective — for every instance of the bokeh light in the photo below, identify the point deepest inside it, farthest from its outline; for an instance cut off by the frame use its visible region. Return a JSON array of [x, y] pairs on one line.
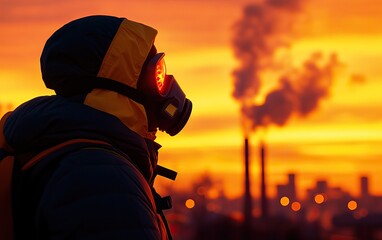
[[319, 198], [190, 203], [296, 206], [284, 201], [352, 205]]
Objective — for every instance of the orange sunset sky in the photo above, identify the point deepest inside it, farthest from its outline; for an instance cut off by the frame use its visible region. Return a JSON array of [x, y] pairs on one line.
[[339, 141]]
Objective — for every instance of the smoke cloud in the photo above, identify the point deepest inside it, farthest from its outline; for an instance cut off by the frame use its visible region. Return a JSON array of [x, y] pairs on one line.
[[298, 93], [263, 30]]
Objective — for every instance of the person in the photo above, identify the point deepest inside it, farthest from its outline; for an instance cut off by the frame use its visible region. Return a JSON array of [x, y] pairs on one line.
[[113, 93]]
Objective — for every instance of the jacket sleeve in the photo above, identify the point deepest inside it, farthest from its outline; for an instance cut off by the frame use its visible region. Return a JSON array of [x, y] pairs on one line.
[[94, 194]]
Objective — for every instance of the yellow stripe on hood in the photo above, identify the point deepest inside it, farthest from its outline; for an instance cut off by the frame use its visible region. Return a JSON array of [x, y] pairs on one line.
[[123, 63]]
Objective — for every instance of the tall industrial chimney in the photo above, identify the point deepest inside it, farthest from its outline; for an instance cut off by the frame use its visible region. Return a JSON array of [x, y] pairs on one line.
[[264, 199], [247, 195], [364, 187]]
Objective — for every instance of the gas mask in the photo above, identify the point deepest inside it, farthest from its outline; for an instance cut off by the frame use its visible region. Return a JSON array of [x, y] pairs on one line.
[[166, 105]]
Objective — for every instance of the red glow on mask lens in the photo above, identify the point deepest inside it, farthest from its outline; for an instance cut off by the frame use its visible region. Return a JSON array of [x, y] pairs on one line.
[[160, 75]]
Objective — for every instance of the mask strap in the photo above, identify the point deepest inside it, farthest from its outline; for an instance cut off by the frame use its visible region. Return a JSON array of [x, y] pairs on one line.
[[112, 85]]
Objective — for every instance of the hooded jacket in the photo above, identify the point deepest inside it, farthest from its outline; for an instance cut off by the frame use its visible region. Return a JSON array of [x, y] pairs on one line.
[[92, 192]]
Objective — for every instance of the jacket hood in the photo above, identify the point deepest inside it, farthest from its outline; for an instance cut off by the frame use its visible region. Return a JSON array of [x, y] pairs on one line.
[[100, 47]]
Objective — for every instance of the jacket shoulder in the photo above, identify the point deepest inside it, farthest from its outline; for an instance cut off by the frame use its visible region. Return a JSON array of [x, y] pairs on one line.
[[96, 194]]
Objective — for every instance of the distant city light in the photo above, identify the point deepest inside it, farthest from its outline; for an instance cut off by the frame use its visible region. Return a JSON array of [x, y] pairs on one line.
[[213, 193], [201, 191], [284, 201], [296, 206], [352, 205], [213, 207], [190, 203], [361, 213], [319, 198]]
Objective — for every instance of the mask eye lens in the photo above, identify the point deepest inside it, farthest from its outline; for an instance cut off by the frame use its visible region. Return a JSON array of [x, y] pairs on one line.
[[160, 75]]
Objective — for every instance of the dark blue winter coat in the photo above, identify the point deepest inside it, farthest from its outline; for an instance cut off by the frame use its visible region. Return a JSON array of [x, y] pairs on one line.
[[92, 192]]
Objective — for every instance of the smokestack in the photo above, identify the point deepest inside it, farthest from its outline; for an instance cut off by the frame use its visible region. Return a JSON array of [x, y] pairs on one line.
[[264, 199], [364, 187], [247, 194], [291, 187]]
